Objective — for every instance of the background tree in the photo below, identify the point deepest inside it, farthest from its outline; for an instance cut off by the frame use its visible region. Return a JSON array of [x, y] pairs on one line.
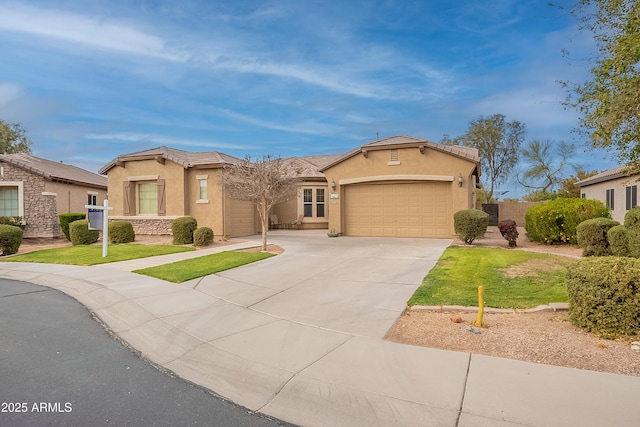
[[498, 143], [546, 162], [568, 187], [13, 139], [609, 102], [264, 183]]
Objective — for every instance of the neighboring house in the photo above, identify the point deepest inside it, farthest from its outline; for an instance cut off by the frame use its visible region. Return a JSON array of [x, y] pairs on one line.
[[400, 186], [38, 190], [614, 187], [150, 188]]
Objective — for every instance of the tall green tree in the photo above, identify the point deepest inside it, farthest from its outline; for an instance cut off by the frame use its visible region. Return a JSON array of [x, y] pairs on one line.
[[546, 161], [498, 143], [609, 101], [13, 139]]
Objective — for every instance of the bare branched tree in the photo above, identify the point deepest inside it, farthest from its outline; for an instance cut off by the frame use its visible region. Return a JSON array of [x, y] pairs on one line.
[[546, 163], [265, 183]]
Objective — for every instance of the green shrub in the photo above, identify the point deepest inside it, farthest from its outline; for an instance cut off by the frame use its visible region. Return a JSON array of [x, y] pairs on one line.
[[470, 224], [203, 236], [182, 229], [592, 236], [16, 221], [604, 295], [625, 239], [509, 230], [632, 218], [80, 233], [10, 239], [634, 242], [121, 232], [68, 218], [618, 238], [556, 220]]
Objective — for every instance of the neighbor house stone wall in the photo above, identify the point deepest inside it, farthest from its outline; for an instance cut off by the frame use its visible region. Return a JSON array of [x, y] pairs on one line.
[[147, 225], [40, 212]]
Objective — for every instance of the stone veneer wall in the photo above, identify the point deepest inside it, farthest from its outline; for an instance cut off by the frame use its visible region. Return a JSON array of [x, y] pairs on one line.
[[141, 225], [40, 212]]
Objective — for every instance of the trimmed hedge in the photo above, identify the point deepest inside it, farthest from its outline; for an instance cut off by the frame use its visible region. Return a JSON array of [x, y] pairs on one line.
[[556, 221], [509, 230], [15, 221], [10, 239], [470, 224], [68, 218], [632, 218], [203, 236], [80, 233], [592, 236], [121, 232], [625, 239], [182, 229], [604, 295]]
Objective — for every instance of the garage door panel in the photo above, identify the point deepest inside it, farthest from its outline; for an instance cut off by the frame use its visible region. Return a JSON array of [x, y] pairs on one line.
[[399, 209]]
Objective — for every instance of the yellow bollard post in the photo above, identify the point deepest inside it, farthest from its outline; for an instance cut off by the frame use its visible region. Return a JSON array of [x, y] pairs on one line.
[[479, 322]]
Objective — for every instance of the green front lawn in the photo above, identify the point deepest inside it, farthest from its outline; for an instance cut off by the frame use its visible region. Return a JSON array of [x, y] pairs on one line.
[[181, 271], [92, 255], [511, 278]]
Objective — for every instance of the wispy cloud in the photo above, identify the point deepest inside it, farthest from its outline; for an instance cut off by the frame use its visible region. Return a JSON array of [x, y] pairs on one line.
[[84, 30]]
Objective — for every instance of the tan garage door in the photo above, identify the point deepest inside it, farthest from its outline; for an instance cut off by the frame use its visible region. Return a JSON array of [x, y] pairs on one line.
[[398, 210], [240, 218]]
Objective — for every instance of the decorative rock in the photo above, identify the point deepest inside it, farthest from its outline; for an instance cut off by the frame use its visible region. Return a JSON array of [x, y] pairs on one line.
[[635, 347], [456, 319]]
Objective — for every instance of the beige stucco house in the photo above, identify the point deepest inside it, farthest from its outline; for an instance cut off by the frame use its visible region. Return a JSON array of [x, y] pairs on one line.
[[614, 187], [38, 190], [400, 186], [150, 188]]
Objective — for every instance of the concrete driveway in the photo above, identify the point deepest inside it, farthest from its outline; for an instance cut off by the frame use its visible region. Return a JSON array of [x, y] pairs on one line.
[[354, 285], [297, 337]]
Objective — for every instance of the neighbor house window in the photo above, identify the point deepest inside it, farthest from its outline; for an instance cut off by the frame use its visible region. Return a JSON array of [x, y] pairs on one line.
[[583, 195], [203, 189], [632, 196], [9, 201], [610, 199], [92, 199], [147, 198]]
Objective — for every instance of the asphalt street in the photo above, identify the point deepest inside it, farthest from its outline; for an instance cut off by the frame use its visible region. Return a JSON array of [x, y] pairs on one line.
[[60, 367]]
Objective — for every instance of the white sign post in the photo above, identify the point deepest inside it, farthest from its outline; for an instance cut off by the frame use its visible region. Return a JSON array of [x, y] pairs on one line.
[[96, 215]]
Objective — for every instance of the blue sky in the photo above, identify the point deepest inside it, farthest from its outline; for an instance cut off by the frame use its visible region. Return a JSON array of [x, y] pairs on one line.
[[90, 80]]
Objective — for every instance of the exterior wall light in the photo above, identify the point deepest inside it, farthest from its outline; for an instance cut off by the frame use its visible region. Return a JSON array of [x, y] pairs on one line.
[[333, 184], [460, 180]]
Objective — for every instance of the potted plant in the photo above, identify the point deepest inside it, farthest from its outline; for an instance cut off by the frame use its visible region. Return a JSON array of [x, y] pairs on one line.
[[332, 233]]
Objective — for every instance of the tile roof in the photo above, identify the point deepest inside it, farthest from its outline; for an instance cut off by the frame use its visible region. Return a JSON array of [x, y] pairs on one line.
[[186, 159], [608, 175], [55, 171], [409, 141]]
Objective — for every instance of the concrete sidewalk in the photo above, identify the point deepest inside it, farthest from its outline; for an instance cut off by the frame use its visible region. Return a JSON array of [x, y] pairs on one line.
[[299, 337]]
